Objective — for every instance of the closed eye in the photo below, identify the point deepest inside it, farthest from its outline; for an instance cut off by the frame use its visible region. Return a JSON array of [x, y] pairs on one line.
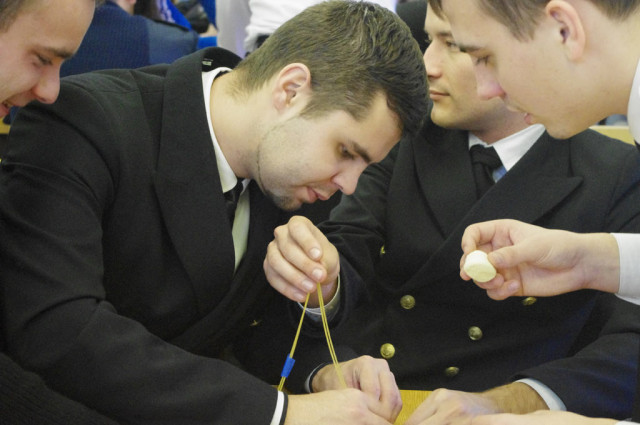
[[482, 60], [346, 153], [43, 60], [452, 45]]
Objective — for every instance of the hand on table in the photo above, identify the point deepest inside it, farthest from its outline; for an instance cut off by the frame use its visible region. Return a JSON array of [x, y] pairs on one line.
[[298, 258], [450, 407], [367, 374], [540, 418], [337, 407], [531, 260], [458, 408]]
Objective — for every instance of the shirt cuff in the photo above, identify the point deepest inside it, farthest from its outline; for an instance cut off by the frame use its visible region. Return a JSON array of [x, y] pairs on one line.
[[628, 247], [549, 397], [307, 382], [277, 415], [331, 308]]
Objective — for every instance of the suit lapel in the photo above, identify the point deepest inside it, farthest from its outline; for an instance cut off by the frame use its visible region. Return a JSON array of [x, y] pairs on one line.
[[206, 335], [188, 185], [532, 188], [444, 174]]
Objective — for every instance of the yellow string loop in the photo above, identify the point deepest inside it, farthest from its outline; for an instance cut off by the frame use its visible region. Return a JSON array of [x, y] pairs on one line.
[[325, 326]]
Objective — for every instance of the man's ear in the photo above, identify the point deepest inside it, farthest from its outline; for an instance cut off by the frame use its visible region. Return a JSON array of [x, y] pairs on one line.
[[569, 26], [292, 86]]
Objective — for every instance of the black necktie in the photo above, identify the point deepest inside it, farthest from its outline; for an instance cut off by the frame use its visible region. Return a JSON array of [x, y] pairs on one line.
[[484, 161], [231, 198]]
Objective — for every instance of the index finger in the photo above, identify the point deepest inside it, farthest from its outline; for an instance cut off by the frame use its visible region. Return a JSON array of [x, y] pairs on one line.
[[390, 395], [306, 235], [477, 235], [379, 382], [382, 409]]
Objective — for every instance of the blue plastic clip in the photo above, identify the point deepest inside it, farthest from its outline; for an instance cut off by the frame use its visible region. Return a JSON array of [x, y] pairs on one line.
[[288, 365]]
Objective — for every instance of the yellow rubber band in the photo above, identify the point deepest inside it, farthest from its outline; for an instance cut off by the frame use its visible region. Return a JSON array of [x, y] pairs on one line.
[[325, 326], [295, 340], [332, 351]]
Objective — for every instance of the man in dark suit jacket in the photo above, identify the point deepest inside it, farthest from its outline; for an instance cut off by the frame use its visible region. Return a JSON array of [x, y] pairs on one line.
[[124, 278], [398, 239], [35, 38]]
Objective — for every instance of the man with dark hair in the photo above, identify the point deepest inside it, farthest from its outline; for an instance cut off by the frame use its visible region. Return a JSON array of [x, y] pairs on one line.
[[397, 240], [138, 209], [565, 64]]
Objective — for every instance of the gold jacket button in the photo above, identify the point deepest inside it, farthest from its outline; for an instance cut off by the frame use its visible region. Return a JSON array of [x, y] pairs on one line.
[[451, 371], [475, 333], [382, 251], [529, 301], [407, 302], [388, 351]]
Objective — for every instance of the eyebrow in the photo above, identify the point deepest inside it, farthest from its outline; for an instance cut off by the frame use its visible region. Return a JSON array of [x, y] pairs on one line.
[[439, 34], [61, 53], [444, 34], [468, 48], [360, 151]]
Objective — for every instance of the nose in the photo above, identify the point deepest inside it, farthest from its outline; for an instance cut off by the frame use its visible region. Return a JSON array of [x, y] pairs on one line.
[[47, 88], [488, 86], [431, 61], [347, 179]]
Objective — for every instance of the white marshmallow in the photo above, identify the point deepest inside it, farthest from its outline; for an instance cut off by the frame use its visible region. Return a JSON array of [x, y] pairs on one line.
[[478, 267]]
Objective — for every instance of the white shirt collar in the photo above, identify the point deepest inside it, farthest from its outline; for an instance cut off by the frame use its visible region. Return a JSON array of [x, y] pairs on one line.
[[633, 112], [228, 178], [513, 147]]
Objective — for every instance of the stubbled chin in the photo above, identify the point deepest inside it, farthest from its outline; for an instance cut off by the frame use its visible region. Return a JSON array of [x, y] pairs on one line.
[[287, 203], [292, 205]]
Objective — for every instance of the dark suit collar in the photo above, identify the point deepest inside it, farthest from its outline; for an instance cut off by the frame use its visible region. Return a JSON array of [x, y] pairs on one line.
[[444, 173], [533, 187], [185, 132], [187, 181]]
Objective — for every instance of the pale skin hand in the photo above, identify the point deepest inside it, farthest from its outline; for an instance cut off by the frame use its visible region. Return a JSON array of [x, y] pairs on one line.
[[369, 375], [458, 408], [535, 261], [541, 418], [338, 407], [298, 258]]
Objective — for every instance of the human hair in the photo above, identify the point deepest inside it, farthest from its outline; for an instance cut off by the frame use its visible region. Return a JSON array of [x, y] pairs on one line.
[[11, 9], [354, 50], [522, 16], [147, 8]]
